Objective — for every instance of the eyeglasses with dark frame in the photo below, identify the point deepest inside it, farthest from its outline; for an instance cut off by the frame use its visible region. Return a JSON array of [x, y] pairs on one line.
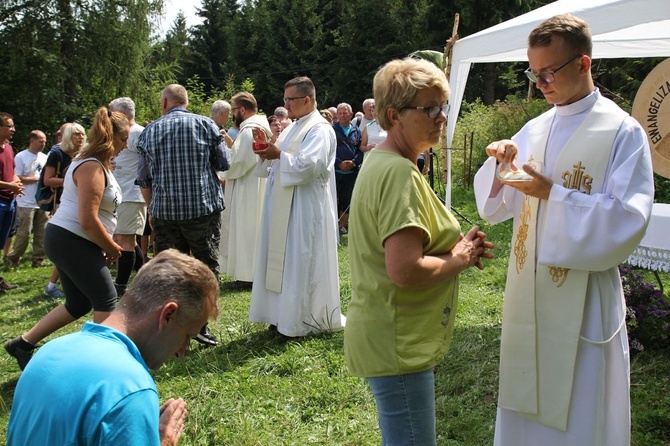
[[433, 111], [287, 100], [10, 126], [235, 108], [547, 76]]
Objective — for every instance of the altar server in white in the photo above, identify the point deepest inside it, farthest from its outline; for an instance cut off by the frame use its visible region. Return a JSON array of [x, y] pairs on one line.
[[564, 360], [296, 281], [246, 190]]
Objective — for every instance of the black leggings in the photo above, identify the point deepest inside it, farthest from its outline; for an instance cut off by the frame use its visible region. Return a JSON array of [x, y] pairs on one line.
[[84, 274]]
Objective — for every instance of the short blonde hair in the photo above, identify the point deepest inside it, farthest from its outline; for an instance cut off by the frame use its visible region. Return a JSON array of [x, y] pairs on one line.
[[397, 83]]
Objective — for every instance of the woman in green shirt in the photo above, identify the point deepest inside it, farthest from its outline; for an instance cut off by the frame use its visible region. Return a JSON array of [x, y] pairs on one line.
[[406, 251]]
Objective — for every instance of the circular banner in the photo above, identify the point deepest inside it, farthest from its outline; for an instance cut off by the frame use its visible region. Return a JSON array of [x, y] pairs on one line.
[[651, 108]]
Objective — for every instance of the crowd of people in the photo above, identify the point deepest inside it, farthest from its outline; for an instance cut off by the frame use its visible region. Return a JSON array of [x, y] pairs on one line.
[[265, 202]]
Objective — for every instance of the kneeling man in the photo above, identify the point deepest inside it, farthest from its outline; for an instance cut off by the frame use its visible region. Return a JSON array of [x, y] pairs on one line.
[[93, 387]]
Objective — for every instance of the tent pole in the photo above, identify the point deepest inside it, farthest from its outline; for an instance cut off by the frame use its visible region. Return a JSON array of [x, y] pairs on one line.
[[446, 63]]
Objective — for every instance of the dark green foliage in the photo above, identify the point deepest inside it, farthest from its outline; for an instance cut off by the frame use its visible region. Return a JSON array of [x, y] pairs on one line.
[[65, 59], [211, 42], [661, 189]]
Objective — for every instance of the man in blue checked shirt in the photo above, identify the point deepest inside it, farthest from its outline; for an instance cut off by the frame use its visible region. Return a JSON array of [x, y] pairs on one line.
[[180, 154]]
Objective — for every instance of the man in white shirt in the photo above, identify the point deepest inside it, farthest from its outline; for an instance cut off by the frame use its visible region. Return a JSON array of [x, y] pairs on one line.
[[368, 117], [220, 115], [132, 212], [29, 164]]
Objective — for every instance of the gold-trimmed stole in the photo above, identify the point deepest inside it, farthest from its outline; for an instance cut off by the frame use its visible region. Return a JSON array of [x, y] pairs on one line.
[[544, 304], [282, 201]]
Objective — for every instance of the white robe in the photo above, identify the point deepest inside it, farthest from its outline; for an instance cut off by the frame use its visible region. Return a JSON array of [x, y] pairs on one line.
[[244, 203], [593, 233], [310, 298]]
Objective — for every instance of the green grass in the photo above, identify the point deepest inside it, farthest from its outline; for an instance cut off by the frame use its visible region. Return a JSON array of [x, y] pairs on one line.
[[253, 389]]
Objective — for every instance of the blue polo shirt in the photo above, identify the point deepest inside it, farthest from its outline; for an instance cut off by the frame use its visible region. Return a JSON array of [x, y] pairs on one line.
[[86, 388]]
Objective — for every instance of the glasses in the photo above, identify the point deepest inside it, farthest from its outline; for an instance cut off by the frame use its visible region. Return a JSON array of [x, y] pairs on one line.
[[433, 112], [79, 134], [9, 126], [547, 76], [235, 108], [287, 100]]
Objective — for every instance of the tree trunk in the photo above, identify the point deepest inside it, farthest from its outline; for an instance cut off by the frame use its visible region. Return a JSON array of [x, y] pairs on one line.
[[490, 80], [68, 56]]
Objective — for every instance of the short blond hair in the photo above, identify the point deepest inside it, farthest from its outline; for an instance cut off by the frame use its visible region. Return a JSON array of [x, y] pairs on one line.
[[397, 83]]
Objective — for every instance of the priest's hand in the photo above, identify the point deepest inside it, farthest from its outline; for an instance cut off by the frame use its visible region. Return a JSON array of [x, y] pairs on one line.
[[539, 187], [271, 153], [503, 151]]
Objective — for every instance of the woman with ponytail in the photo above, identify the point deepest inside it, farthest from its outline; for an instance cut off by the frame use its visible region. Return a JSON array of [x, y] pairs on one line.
[[78, 238]]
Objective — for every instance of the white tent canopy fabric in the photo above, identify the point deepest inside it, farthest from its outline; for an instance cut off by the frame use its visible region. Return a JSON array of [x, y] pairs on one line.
[[620, 29]]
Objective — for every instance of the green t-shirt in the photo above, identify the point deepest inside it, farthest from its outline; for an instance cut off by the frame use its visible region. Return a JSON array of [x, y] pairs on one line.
[[390, 330]]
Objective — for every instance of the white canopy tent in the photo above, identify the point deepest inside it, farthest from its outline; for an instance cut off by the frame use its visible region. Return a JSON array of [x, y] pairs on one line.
[[620, 29]]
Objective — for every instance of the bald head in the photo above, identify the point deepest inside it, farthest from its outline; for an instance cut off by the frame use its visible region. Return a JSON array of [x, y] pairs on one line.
[[37, 141], [173, 95]]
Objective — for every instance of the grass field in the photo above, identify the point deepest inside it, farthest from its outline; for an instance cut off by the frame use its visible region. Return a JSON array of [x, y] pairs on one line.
[[253, 389]]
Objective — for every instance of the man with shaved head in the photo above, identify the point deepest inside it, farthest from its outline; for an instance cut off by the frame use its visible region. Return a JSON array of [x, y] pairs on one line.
[[181, 153], [29, 164]]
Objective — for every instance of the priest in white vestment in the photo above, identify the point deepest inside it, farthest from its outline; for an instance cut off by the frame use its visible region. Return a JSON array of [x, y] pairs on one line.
[[296, 279], [564, 362], [246, 192]]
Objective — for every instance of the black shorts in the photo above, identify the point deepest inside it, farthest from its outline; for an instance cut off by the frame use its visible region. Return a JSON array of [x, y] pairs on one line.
[[83, 270]]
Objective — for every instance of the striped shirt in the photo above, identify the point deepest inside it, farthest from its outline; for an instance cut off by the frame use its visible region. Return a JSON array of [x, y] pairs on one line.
[[180, 154]]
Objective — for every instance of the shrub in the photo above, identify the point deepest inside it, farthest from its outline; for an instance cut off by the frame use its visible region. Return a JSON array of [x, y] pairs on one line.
[[647, 312], [490, 123]]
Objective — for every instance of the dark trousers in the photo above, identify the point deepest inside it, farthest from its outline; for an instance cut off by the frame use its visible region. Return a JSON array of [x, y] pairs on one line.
[[344, 184], [199, 237]]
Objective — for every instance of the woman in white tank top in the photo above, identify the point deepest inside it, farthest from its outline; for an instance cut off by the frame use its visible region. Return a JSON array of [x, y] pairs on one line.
[[78, 238]]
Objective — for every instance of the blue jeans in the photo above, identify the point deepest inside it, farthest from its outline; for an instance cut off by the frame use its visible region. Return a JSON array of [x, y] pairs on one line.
[[406, 408], [7, 212]]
